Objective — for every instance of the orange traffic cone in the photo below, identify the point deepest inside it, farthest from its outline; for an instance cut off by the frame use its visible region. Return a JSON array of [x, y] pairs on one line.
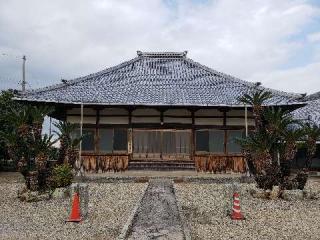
[[75, 215], [236, 212]]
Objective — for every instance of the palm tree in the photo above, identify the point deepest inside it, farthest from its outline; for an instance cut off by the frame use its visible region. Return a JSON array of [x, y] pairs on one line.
[[256, 100], [277, 120], [43, 146], [11, 141], [286, 131], [257, 146], [291, 137], [65, 131], [312, 133], [73, 151], [38, 113], [22, 119]]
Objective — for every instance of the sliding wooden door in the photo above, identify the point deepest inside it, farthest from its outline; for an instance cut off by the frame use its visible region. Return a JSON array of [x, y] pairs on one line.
[[161, 144]]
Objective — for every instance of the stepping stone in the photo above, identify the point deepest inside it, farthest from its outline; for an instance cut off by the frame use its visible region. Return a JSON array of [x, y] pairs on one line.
[[158, 215]]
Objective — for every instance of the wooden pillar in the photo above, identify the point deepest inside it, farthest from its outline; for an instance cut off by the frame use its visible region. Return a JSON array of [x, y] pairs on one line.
[[225, 131], [97, 139], [130, 116], [246, 127], [161, 117], [161, 133], [80, 172], [193, 136], [246, 119], [97, 147], [130, 133]]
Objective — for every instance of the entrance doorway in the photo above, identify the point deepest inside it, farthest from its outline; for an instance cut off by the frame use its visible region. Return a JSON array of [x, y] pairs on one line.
[[162, 144]]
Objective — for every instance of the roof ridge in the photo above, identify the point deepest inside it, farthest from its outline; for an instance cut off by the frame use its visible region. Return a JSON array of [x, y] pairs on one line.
[[313, 96], [80, 79], [250, 84], [162, 54]]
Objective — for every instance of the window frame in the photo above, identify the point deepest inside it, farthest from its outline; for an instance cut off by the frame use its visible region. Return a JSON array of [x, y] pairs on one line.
[[77, 130], [113, 151], [227, 141], [209, 152]]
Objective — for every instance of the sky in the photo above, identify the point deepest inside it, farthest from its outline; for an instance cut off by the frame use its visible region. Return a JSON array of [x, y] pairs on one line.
[[273, 42]]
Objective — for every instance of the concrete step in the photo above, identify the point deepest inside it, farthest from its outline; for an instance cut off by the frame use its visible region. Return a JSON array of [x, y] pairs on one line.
[[161, 165]]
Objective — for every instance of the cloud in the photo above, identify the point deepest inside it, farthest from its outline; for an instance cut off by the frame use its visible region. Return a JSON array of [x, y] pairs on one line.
[[314, 37], [304, 79], [66, 39]]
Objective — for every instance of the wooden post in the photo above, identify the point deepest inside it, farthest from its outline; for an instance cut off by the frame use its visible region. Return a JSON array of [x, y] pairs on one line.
[[224, 118], [130, 133], [97, 139], [161, 117], [246, 127], [80, 172], [193, 148], [225, 131], [246, 119], [97, 148]]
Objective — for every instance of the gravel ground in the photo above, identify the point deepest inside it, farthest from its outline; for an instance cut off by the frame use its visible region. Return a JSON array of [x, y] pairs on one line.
[[205, 206], [109, 207], [158, 215]]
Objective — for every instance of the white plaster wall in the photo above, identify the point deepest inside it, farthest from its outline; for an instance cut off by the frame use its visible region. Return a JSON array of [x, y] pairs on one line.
[[76, 119], [77, 110], [177, 112], [238, 113], [145, 119], [177, 120], [239, 122], [114, 120], [145, 111], [208, 112], [208, 121], [113, 111]]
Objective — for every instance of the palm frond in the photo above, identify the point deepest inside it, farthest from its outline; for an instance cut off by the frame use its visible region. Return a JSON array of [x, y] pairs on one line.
[[255, 98]]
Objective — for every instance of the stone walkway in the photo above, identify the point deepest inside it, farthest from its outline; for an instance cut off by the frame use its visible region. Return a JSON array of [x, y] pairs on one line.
[[158, 216]]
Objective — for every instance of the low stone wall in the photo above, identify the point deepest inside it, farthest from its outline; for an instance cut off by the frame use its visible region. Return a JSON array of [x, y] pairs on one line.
[[184, 179]]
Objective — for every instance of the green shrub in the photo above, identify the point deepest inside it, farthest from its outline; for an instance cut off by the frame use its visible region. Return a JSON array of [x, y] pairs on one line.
[[62, 176]]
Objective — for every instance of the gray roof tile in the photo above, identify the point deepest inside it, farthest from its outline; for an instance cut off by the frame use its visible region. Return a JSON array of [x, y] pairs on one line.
[[310, 112], [165, 78]]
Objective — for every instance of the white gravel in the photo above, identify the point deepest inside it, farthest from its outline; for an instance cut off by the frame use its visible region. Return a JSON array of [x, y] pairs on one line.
[[109, 206], [205, 207]]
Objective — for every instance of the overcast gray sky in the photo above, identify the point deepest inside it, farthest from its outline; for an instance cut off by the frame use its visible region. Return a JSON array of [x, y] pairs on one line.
[[276, 42]]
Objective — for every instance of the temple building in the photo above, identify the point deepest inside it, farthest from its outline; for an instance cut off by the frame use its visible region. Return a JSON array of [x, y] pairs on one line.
[[308, 113], [160, 110]]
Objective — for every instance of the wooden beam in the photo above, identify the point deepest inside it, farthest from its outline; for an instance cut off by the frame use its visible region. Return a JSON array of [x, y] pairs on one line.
[[130, 134], [97, 137], [225, 141], [161, 118], [193, 136], [164, 115], [167, 125]]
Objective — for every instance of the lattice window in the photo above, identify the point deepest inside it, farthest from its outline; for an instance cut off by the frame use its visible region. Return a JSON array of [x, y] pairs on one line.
[[232, 145], [210, 140]]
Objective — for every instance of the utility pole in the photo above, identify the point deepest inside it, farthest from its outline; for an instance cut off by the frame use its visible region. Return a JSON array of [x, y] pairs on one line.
[[24, 74]]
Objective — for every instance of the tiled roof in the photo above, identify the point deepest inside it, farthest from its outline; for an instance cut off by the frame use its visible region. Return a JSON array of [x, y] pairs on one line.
[[310, 112], [155, 78]]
